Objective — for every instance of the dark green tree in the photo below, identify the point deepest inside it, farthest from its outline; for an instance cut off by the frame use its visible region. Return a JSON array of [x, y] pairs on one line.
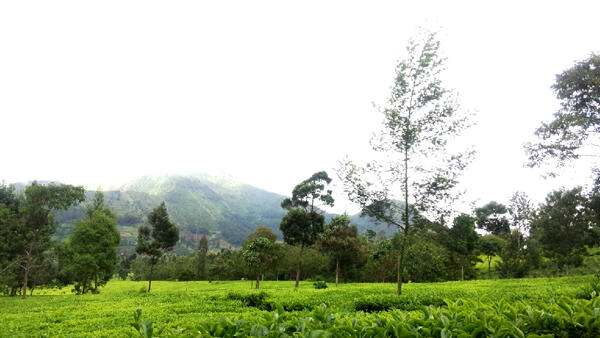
[[201, 257], [38, 223], [415, 174], [97, 204], [461, 242], [341, 242], [258, 254], [514, 262], [92, 251], [492, 218], [155, 241], [566, 137], [562, 225], [310, 193], [301, 228]]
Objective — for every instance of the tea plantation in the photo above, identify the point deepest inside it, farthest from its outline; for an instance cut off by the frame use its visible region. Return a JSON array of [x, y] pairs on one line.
[[519, 307]]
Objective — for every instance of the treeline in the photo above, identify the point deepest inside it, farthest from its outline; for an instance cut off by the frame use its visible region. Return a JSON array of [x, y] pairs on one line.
[[29, 254], [551, 237]]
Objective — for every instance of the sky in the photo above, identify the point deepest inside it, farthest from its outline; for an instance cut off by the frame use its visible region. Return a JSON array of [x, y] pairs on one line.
[[269, 92]]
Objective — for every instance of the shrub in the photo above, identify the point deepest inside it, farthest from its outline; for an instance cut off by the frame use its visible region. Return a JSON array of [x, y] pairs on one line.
[[320, 284]]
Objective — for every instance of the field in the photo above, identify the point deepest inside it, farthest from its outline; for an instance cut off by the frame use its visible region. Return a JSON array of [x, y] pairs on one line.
[[192, 308]]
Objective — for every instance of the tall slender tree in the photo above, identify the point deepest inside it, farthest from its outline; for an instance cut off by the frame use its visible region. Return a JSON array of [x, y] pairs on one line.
[[416, 173], [155, 241], [303, 222], [201, 257]]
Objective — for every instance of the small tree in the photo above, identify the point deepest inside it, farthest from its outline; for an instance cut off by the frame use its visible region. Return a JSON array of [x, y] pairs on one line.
[[160, 239], [490, 246], [341, 242], [262, 231], [201, 257], [93, 250], [521, 210], [258, 254], [416, 174]]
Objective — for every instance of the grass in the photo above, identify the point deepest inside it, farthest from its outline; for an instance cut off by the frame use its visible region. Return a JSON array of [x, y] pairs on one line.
[[53, 312]]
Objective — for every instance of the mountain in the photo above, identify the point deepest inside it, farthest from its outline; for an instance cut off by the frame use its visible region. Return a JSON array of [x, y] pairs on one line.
[[219, 207]]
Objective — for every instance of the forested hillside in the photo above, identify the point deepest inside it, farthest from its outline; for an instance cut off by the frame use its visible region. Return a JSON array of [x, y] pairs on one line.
[[218, 206]]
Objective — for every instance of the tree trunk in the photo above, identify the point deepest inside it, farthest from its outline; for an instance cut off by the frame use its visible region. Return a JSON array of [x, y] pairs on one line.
[[26, 276], [337, 271], [489, 265], [95, 291], [298, 267], [399, 273], [257, 281], [31, 290], [462, 273], [150, 277]]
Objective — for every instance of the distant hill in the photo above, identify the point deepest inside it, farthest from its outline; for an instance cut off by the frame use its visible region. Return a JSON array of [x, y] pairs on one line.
[[224, 209], [220, 207]]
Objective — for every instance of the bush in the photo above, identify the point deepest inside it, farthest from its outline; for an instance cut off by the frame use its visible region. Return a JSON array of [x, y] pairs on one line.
[[591, 290], [256, 300], [320, 284]]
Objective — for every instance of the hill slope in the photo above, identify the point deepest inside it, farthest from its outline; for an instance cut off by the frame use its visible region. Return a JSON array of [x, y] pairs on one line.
[[224, 209], [220, 207]]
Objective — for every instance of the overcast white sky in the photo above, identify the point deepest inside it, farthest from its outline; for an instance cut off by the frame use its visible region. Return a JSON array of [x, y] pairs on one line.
[[99, 93]]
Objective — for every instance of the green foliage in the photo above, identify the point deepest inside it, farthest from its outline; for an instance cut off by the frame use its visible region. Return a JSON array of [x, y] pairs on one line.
[[201, 257], [182, 306], [425, 262], [259, 255], [490, 246], [492, 218], [564, 138], [90, 253], [406, 303], [565, 317], [341, 242], [562, 225], [161, 238], [262, 231], [309, 191], [30, 237], [416, 175], [320, 284], [300, 227]]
